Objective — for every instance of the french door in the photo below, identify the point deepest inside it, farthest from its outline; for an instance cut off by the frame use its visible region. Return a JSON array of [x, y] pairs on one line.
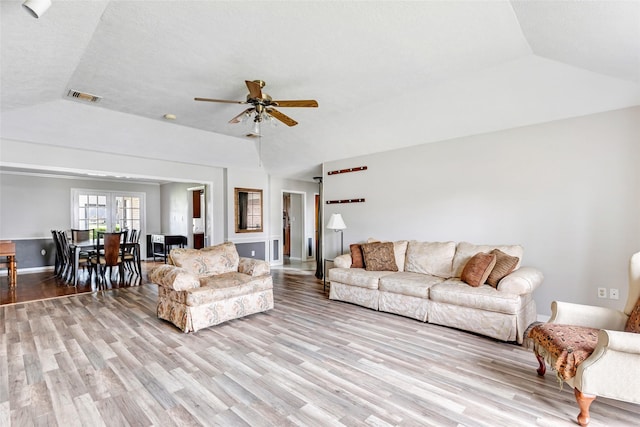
[[107, 210]]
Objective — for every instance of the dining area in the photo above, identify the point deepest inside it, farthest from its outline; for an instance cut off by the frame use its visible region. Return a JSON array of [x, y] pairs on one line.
[[106, 259]]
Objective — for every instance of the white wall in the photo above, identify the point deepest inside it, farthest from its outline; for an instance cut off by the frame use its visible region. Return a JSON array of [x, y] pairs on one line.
[[568, 191], [255, 179]]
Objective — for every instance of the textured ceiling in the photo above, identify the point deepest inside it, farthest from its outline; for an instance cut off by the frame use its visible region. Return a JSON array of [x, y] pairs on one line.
[[386, 74]]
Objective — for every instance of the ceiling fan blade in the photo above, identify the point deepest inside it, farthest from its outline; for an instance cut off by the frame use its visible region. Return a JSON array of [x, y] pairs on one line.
[[236, 119], [255, 88], [296, 103], [220, 100], [282, 117]]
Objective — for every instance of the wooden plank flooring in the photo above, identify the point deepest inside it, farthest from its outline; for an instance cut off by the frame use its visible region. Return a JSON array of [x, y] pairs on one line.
[[104, 359]]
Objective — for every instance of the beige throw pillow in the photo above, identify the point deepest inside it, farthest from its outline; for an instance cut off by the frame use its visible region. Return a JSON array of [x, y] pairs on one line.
[[477, 269]]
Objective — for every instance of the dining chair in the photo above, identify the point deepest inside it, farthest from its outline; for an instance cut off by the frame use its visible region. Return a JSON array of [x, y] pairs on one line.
[[82, 236], [109, 254], [66, 256], [59, 261], [132, 252]]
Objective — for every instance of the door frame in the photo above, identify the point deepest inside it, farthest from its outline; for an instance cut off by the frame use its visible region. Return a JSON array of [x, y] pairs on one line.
[[303, 226]]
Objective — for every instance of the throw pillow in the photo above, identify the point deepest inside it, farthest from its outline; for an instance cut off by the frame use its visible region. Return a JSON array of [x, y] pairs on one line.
[[379, 256], [477, 269], [505, 264], [633, 323], [356, 256]]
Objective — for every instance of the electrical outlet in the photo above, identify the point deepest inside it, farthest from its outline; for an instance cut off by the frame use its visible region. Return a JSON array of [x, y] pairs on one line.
[[613, 293], [253, 253], [602, 292]]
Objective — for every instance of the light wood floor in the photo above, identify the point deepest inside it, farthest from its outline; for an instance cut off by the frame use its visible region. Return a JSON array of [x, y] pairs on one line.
[[105, 359]]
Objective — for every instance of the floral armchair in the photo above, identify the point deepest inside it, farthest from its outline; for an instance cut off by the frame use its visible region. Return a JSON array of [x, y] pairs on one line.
[[595, 350]]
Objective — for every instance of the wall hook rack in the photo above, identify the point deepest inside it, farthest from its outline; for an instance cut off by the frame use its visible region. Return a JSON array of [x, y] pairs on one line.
[[331, 202]]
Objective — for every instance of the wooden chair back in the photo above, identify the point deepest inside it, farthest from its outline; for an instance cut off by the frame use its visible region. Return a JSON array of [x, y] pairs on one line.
[[112, 248]]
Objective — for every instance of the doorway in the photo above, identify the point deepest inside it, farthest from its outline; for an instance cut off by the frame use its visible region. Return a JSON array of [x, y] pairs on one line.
[[293, 247], [198, 217]]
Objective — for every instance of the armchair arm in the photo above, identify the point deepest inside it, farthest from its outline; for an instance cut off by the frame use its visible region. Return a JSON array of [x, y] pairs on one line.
[[253, 267], [521, 281], [342, 261], [609, 371], [176, 278], [587, 315]]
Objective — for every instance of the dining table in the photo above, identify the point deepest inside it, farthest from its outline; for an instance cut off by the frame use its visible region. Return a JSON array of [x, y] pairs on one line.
[[90, 245]]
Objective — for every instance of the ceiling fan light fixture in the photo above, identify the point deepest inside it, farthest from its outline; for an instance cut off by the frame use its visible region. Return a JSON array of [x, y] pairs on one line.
[[36, 8], [256, 127]]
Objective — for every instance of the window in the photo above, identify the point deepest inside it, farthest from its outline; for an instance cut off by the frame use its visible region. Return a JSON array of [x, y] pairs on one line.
[[107, 210]]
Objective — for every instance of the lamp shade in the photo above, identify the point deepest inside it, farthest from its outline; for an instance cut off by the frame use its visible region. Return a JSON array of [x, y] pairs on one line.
[[36, 7], [336, 222]]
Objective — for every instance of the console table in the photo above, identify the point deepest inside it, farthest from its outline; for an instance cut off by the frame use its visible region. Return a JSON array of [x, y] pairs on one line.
[[8, 250], [161, 244]]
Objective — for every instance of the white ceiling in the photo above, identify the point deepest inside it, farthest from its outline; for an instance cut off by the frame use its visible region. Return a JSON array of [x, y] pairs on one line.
[[386, 74]]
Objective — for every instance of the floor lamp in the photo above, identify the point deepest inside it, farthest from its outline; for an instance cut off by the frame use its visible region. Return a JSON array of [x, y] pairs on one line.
[[336, 223]]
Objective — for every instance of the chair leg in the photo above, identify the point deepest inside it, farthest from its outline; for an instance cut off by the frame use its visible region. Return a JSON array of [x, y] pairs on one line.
[[542, 368], [584, 402]]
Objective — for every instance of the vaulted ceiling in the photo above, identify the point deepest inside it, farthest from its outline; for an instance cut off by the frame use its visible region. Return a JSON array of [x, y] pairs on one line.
[[385, 74]]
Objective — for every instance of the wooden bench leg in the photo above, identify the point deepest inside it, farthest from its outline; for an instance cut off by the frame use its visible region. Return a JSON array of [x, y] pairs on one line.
[[584, 402], [542, 368]]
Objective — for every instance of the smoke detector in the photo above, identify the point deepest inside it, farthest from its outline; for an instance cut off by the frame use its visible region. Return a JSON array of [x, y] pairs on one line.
[[84, 96]]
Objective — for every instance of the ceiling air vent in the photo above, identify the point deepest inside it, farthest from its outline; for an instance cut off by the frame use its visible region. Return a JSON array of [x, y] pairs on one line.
[[84, 96]]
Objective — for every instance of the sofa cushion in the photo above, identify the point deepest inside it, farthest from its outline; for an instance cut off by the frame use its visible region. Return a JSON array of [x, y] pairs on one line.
[[505, 264], [357, 261], [484, 297], [464, 251], [633, 322], [410, 284], [225, 286], [433, 258], [357, 277], [379, 256], [216, 259], [477, 269]]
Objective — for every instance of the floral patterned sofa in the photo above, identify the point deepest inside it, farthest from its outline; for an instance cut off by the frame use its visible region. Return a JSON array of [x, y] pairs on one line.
[[477, 288], [205, 287]]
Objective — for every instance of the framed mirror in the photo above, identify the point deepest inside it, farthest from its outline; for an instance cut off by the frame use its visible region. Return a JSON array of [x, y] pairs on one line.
[[248, 207]]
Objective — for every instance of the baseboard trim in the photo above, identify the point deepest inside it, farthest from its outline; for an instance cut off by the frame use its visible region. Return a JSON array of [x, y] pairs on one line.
[[34, 269]]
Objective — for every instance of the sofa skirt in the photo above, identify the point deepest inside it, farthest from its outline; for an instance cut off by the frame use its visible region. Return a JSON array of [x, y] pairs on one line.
[[354, 294], [404, 305], [501, 326], [194, 318]]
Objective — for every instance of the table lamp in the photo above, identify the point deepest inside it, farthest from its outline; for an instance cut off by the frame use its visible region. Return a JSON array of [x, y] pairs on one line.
[[336, 223]]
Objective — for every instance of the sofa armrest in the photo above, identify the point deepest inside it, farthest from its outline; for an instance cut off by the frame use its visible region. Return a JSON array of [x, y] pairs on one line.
[[587, 315], [253, 267], [342, 261], [172, 277], [521, 281], [607, 372]]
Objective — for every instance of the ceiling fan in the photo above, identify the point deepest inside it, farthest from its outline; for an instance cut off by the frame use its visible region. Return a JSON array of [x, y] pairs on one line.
[[262, 105]]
